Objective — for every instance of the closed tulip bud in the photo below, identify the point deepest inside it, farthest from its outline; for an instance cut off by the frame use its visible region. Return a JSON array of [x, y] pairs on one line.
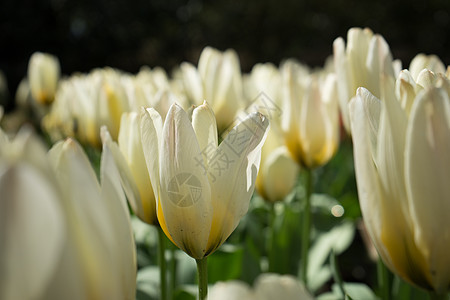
[[311, 121], [422, 61], [43, 75], [86, 102], [218, 80], [278, 171], [402, 166], [129, 158], [360, 63], [203, 188]]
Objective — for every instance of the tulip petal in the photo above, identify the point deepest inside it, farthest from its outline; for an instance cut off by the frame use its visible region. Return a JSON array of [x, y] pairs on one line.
[[123, 256], [279, 174], [391, 145], [379, 61], [364, 112], [318, 125], [131, 146], [31, 231], [383, 214], [292, 93], [233, 173], [192, 82], [185, 194], [427, 171], [127, 181], [151, 137], [88, 225], [343, 79], [205, 127]]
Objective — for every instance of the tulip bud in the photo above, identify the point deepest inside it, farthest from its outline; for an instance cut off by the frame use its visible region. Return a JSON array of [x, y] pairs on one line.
[[43, 75]]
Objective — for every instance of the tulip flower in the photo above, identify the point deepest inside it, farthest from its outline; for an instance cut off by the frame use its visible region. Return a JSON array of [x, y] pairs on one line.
[[429, 62], [64, 236], [33, 225], [311, 116], [402, 164], [217, 79], [203, 188], [360, 63], [129, 158], [278, 171], [43, 75], [85, 103]]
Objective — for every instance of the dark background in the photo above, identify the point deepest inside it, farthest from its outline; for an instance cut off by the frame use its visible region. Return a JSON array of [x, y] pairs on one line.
[[128, 34]]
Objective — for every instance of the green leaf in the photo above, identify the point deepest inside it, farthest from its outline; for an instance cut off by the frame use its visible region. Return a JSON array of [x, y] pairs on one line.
[[147, 284], [186, 292], [225, 263], [353, 291], [337, 239]]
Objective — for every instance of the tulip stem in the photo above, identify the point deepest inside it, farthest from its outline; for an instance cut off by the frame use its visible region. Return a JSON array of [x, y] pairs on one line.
[[383, 280], [162, 263], [306, 227], [271, 238], [202, 271], [172, 270]]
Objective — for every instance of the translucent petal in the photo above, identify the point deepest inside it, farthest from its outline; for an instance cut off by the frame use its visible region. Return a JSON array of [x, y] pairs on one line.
[[29, 214], [427, 171], [185, 194], [232, 175]]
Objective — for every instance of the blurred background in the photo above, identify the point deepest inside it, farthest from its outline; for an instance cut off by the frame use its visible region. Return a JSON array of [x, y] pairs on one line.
[[124, 34]]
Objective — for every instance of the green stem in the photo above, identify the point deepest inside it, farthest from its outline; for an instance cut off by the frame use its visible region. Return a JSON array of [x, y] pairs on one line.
[[271, 241], [336, 273], [202, 271], [383, 280], [436, 296], [306, 228], [172, 270], [162, 263]]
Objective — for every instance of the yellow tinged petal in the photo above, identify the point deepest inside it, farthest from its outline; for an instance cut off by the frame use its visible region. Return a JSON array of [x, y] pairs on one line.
[[131, 146], [233, 175], [151, 132], [185, 194], [384, 215], [427, 171], [279, 174]]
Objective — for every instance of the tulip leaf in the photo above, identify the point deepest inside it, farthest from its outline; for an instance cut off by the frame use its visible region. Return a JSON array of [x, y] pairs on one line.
[[225, 263], [352, 290], [337, 239], [148, 283]]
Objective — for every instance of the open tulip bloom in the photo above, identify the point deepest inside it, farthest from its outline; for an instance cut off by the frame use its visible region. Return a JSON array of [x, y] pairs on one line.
[[402, 165], [203, 188]]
